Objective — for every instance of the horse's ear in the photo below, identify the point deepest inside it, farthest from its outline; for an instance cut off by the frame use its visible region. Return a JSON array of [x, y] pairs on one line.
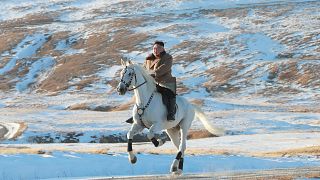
[[123, 62]]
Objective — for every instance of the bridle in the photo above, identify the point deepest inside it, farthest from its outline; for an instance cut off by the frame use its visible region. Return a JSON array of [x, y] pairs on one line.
[[140, 110], [130, 81]]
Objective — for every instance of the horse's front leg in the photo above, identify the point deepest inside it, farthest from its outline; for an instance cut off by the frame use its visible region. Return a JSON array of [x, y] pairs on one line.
[[135, 128], [155, 128]]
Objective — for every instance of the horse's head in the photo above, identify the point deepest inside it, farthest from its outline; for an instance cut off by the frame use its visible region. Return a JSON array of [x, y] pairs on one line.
[[127, 75]]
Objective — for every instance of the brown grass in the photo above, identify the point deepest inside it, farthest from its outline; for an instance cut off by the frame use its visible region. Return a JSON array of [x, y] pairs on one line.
[[198, 134], [9, 39], [288, 72], [28, 150], [126, 105], [220, 76], [228, 13], [15, 150], [309, 75], [99, 50], [81, 106], [198, 102], [121, 107], [312, 150], [30, 19], [105, 46], [272, 12]]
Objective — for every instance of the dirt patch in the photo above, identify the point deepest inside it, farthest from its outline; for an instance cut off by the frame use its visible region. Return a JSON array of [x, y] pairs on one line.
[[198, 102], [312, 150], [29, 20], [9, 39], [198, 134], [83, 106], [227, 13], [35, 150], [21, 149], [220, 77], [288, 72], [125, 106]]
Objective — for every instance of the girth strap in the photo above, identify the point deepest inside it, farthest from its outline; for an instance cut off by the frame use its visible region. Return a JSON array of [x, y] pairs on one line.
[[140, 110]]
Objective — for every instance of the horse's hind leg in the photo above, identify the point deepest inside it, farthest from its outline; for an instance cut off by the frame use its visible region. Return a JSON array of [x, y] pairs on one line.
[[177, 164], [135, 128], [174, 134]]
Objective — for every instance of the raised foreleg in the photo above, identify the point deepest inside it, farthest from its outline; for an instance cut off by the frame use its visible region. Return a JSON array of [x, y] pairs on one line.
[[151, 135], [135, 128]]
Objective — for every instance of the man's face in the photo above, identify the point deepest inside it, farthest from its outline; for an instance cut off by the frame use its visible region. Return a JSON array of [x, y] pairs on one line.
[[157, 49]]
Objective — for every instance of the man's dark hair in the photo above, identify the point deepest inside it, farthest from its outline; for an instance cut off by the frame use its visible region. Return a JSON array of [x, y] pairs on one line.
[[159, 43]]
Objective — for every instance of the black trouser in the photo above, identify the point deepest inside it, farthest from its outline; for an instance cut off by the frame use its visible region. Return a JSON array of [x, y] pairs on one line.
[[166, 93], [169, 100]]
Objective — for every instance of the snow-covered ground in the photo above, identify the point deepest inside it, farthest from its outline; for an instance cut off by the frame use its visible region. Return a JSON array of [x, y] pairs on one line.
[[66, 165], [271, 119]]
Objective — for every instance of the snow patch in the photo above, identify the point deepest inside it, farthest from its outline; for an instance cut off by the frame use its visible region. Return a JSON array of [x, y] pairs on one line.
[[37, 68], [12, 129], [65, 45], [25, 49], [262, 46]]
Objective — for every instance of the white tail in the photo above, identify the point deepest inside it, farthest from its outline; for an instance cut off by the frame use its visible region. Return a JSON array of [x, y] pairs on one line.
[[211, 128]]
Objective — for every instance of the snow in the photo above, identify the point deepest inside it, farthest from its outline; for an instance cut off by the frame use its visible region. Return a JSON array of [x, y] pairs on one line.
[[25, 49], [109, 72], [254, 127], [136, 56], [37, 69], [194, 81], [12, 129], [261, 45], [64, 165]]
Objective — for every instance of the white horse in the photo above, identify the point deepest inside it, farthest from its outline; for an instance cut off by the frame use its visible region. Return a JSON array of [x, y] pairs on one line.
[[150, 112]]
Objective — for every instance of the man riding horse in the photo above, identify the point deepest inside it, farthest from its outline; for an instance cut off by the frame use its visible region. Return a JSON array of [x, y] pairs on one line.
[[149, 111], [159, 65]]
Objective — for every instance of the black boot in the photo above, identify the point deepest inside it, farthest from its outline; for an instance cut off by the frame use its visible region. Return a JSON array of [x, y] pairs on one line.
[[130, 120], [171, 107]]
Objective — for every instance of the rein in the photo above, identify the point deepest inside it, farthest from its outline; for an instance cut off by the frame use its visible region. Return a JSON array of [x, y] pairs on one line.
[[129, 83]]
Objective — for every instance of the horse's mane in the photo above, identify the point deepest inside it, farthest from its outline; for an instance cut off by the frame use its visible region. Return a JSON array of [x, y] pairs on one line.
[[151, 83]]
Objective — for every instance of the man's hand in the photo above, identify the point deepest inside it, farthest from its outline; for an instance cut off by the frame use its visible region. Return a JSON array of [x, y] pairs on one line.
[[152, 73]]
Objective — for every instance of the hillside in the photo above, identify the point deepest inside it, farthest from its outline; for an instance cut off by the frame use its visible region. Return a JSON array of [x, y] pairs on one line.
[[252, 66], [267, 49]]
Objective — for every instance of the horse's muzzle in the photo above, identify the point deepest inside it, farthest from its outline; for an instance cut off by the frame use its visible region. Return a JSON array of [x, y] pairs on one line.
[[121, 89]]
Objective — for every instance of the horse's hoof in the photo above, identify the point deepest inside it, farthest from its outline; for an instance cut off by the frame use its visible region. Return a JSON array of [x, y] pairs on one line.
[[134, 160], [177, 172], [173, 169]]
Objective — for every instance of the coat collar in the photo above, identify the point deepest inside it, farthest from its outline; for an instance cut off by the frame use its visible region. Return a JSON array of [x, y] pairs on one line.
[[153, 57]]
